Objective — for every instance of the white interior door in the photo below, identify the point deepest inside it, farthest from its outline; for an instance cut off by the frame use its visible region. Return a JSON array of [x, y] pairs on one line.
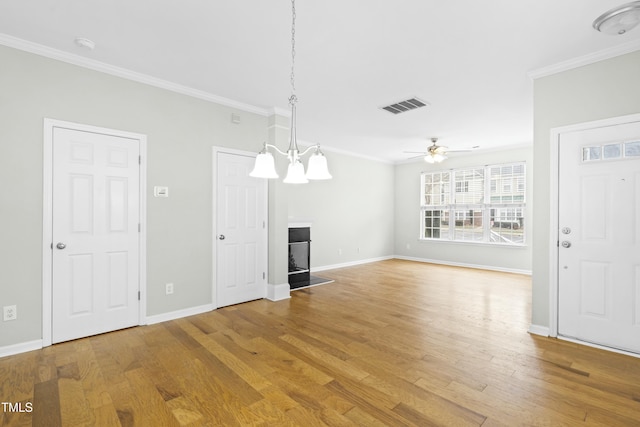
[[95, 230], [241, 231], [599, 235]]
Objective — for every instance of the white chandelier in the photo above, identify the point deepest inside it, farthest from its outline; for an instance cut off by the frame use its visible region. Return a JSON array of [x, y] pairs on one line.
[[265, 165]]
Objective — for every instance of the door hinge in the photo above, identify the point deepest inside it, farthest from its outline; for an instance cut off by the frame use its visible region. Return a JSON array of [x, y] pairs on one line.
[[264, 275], [139, 160], [138, 295], [139, 227], [264, 224]]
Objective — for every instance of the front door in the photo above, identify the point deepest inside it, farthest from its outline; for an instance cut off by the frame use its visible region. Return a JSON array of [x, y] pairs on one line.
[[599, 236], [241, 230], [95, 231]]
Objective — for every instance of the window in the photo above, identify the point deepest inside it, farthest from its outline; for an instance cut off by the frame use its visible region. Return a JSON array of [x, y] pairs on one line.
[[484, 204], [614, 151]]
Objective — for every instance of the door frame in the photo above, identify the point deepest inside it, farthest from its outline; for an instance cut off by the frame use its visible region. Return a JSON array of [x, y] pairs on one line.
[[47, 218], [554, 209], [214, 218]]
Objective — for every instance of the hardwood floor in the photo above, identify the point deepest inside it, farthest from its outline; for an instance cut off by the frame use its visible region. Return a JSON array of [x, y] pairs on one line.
[[392, 343]]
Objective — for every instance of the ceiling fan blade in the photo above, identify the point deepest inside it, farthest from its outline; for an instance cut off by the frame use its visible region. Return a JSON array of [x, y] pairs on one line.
[[415, 152], [415, 157], [460, 150]]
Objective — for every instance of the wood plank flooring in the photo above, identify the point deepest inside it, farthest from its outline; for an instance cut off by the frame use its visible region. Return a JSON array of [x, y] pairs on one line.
[[393, 343]]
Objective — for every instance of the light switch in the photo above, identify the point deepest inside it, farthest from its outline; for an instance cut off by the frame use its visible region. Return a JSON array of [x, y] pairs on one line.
[[160, 191]]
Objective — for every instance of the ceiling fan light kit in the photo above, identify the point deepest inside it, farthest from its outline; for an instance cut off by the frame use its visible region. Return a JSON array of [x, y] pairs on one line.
[[619, 20], [264, 166], [432, 158]]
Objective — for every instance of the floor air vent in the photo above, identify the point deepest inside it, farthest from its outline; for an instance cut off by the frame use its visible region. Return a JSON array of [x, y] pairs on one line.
[[403, 106]]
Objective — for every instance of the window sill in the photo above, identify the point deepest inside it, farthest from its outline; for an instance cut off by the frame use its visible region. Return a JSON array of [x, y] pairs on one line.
[[472, 243]]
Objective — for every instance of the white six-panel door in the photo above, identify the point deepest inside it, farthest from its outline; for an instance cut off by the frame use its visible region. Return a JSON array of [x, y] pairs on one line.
[[599, 236], [241, 230], [95, 233]]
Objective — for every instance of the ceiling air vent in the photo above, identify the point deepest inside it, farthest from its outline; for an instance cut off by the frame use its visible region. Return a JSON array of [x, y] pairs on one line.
[[403, 106]]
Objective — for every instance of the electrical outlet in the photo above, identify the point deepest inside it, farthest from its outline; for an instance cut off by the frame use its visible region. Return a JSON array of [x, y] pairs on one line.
[[10, 312], [169, 288]]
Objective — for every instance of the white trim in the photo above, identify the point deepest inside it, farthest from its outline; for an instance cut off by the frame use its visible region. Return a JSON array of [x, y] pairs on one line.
[[539, 330], [23, 347], [554, 141], [278, 292], [178, 314], [466, 265], [554, 177], [124, 73], [591, 58], [214, 235], [47, 212], [351, 263], [277, 111], [601, 347], [300, 224]]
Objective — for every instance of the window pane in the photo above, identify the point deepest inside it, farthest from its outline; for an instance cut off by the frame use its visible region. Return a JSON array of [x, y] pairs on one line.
[[507, 225], [436, 189], [436, 224], [632, 149], [590, 153], [507, 184], [612, 151], [469, 186], [468, 225]]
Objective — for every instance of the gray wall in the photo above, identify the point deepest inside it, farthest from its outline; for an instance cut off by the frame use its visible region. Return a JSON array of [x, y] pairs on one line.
[[181, 131], [597, 91], [351, 215], [407, 215]]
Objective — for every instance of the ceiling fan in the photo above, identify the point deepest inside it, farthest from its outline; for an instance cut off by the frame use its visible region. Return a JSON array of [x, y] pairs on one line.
[[436, 153]]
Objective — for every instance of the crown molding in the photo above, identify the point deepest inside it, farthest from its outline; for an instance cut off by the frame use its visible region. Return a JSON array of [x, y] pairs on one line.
[[330, 149], [601, 55], [124, 73], [277, 111]]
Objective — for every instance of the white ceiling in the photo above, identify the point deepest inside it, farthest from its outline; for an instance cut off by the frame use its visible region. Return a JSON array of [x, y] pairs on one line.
[[468, 59]]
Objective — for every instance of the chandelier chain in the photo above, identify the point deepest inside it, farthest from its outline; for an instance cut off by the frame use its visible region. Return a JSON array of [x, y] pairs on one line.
[[293, 98]]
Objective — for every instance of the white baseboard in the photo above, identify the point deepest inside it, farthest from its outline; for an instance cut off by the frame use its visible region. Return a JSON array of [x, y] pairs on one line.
[[278, 292], [539, 330], [462, 264], [172, 315], [350, 264], [22, 347]]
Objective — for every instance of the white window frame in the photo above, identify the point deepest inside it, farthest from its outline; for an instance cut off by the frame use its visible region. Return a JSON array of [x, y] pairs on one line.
[[453, 211]]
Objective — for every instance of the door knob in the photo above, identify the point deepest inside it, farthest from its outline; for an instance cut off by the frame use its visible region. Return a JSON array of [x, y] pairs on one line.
[[221, 237], [61, 245], [566, 244]]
